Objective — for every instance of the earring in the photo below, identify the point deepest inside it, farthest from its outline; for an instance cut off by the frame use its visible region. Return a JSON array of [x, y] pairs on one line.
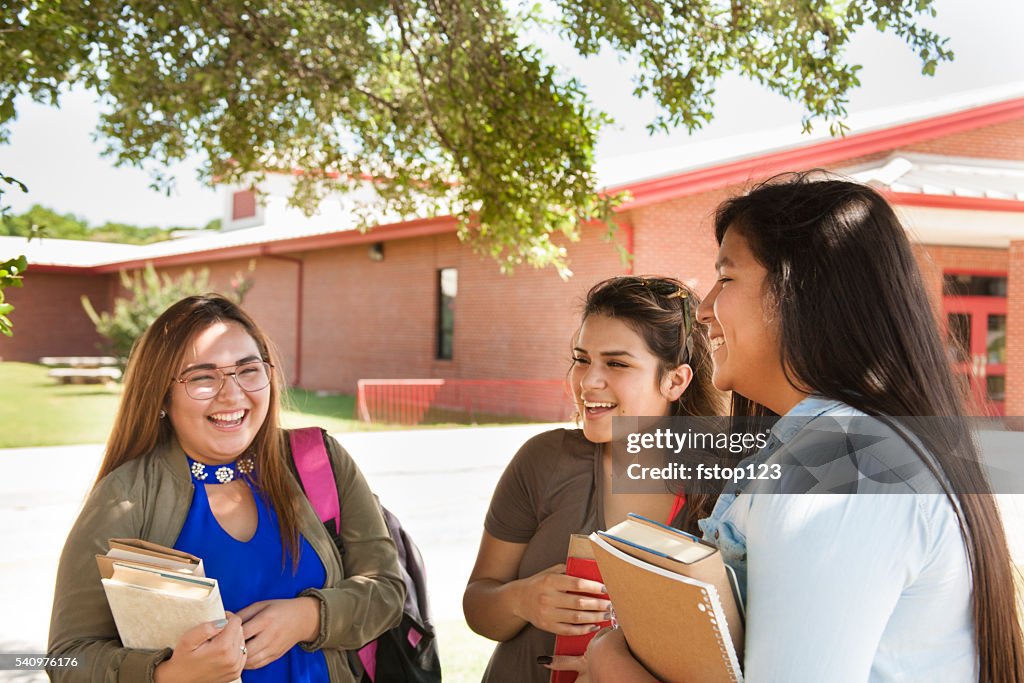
[[163, 413]]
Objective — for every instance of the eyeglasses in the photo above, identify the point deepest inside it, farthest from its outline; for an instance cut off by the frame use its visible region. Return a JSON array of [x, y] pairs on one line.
[[205, 383]]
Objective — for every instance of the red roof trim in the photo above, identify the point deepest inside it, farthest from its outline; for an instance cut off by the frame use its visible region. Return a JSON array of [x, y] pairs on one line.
[[422, 227], [820, 154], [946, 201]]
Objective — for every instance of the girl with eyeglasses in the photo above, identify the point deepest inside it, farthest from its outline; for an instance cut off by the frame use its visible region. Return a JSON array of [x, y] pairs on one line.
[[197, 461], [637, 353], [902, 573]]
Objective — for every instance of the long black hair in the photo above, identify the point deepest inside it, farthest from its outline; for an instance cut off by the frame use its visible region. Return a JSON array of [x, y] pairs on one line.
[[856, 325]]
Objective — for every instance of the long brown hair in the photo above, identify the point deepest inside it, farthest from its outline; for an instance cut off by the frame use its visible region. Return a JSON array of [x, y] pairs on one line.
[[662, 311], [152, 366], [856, 326]]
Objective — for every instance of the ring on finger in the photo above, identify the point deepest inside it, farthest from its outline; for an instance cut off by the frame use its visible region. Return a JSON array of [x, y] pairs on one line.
[[244, 650]]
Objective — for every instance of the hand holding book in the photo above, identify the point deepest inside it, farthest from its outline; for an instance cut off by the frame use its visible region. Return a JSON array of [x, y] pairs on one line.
[[561, 604], [211, 651], [609, 659]]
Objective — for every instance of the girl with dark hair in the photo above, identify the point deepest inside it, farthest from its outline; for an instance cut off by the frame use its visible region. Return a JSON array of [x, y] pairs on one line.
[[197, 461], [637, 353], [820, 314]]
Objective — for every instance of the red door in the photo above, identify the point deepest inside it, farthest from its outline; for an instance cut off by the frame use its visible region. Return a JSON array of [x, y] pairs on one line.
[[976, 327]]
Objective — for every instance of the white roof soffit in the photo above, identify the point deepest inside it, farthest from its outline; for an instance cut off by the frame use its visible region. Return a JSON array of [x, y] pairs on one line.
[[955, 227]]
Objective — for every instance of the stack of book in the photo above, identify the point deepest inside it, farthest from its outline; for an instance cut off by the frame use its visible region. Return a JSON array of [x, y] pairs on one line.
[[156, 593], [674, 599]]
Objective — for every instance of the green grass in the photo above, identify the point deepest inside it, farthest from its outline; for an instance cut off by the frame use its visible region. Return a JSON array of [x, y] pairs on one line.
[[464, 654], [36, 411], [335, 413]]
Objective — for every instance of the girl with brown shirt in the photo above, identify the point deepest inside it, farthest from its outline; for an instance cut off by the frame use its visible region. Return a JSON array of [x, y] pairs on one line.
[[636, 353]]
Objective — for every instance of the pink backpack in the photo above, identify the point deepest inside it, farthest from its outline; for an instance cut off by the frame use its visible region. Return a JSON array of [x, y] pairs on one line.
[[406, 653]]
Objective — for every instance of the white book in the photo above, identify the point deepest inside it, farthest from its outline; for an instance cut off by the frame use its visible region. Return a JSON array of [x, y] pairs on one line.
[[660, 539]]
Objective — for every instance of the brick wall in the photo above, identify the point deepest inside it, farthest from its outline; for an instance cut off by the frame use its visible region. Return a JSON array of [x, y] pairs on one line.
[[49, 319], [272, 301], [677, 239], [1001, 141], [367, 319], [1015, 332]]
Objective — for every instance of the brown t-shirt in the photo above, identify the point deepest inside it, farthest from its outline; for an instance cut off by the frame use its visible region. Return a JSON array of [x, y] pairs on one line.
[[549, 491]]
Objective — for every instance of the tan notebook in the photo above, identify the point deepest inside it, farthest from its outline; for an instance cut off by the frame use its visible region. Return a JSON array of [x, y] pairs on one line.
[[680, 618]]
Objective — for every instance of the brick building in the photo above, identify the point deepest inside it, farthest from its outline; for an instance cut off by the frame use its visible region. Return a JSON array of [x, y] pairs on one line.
[[408, 300]]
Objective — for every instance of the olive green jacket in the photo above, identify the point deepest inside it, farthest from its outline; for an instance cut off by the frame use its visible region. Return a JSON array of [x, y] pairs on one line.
[[149, 498]]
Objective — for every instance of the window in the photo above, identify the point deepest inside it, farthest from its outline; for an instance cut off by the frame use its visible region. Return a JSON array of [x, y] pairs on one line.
[[973, 285], [995, 387], [243, 205], [447, 288], [995, 345]]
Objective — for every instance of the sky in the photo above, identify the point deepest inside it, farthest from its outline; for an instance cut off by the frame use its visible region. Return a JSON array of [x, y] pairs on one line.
[[53, 151]]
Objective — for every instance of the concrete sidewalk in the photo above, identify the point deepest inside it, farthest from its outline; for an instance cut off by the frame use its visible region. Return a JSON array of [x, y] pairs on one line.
[[438, 482]]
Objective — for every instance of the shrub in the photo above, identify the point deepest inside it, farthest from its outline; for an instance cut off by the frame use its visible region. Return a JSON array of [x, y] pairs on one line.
[[150, 295]]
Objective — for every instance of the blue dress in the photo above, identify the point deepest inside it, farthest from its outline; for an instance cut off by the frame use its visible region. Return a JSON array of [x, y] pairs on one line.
[[251, 571]]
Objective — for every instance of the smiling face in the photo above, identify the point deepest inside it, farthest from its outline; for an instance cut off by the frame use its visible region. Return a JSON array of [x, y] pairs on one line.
[[218, 429], [614, 373], [744, 337]]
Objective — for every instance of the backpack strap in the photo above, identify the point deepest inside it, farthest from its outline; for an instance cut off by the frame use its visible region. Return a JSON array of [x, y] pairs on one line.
[[313, 465]]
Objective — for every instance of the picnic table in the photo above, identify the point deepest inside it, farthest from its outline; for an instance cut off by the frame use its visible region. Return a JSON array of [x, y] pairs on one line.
[[82, 369]]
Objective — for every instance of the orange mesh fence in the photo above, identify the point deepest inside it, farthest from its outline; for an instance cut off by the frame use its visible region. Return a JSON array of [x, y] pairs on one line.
[[414, 401]]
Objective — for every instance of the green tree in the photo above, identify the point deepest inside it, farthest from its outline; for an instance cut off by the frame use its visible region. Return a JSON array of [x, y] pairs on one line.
[[129, 234], [150, 294], [42, 221], [446, 101], [11, 269], [52, 224], [10, 276]]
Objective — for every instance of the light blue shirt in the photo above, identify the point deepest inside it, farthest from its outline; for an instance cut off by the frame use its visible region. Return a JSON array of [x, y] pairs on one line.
[[847, 587]]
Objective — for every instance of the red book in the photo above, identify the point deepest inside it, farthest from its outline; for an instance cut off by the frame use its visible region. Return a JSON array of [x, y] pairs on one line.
[[580, 562]]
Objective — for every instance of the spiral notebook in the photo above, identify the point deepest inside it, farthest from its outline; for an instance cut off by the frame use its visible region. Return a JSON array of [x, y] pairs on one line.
[[682, 629]]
